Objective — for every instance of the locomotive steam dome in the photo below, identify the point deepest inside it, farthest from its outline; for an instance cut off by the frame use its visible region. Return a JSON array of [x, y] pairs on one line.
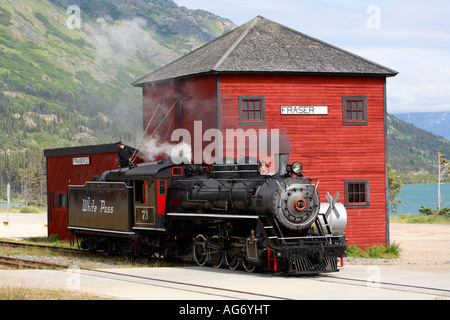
[[296, 203]]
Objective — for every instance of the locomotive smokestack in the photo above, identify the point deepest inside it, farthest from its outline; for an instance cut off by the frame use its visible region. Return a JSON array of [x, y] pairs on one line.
[[281, 161]]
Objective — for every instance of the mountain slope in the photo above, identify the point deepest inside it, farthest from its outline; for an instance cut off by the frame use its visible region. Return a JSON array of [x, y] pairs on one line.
[[62, 87], [435, 122], [75, 84], [412, 152]]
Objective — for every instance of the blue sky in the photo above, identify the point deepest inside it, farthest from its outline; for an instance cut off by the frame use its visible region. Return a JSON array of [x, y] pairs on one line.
[[411, 37]]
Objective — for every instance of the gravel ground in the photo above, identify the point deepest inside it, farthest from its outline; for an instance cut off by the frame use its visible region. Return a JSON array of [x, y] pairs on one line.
[[424, 247]]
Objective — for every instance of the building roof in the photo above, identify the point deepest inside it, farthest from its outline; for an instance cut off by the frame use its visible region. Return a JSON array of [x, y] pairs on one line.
[[264, 46], [75, 151]]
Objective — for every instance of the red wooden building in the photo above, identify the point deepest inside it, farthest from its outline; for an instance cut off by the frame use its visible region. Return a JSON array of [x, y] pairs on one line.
[[328, 104], [73, 166]]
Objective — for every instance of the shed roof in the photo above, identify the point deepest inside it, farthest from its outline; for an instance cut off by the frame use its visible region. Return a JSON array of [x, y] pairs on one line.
[[264, 46], [80, 150]]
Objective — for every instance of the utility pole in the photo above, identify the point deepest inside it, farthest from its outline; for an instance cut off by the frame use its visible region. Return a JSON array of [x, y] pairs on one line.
[[443, 166], [8, 192]]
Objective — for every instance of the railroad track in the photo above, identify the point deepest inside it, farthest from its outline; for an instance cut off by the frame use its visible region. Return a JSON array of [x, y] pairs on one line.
[[436, 292], [39, 246], [209, 290], [28, 264], [18, 263], [227, 293], [218, 291], [212, 290]]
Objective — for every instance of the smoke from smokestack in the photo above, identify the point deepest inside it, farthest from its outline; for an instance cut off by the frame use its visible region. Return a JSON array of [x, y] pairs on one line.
[[152, 149]]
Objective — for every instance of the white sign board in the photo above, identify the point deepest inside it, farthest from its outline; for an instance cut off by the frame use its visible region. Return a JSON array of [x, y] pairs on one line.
[[304, 110], [81, 161]]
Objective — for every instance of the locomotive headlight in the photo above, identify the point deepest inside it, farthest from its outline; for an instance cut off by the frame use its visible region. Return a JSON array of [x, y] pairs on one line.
[[297, 167]]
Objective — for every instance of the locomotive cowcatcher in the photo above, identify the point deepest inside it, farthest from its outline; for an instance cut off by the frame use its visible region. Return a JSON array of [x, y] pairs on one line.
[[229, 214]]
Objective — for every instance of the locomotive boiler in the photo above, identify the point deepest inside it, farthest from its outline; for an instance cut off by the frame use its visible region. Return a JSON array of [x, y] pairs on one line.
[[228, 214]]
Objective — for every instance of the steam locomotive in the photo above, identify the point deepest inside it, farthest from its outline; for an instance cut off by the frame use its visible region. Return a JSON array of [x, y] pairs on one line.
[[229, 214]]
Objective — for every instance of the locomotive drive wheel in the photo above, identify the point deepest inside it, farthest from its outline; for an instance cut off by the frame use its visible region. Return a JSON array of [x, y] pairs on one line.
[[248, 266], [232, 262], [200, 251], [216, 256]]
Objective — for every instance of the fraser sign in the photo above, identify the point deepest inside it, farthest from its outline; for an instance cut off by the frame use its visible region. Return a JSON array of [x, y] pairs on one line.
[[300, 110]]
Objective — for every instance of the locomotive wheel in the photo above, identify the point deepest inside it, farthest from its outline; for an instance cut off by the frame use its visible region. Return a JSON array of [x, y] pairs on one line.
[[146, 250], [91, 245], [106, 247], [248, 266], [232, 262], [200, 251], [216, 257]]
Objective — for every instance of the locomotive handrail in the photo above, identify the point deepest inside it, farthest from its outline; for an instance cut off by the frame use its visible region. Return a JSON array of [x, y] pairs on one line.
[[210, 215], [310, 237], [145, 132]]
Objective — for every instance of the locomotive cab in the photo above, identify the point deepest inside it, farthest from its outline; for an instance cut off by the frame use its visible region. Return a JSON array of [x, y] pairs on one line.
[[149, 203], [149, 196]]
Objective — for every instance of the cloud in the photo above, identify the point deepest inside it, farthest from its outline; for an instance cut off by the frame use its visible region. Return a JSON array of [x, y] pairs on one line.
[[413, 38]]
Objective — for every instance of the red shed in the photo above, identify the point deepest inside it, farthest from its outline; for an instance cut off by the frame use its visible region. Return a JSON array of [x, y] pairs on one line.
[[73, 166], [328, 104]]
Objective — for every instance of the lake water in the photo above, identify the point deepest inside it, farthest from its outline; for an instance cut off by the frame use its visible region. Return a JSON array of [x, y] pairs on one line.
[[417, 195], [4, 205]]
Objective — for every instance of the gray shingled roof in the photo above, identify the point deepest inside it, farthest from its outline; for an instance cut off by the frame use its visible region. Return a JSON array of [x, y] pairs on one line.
[[264, 46]]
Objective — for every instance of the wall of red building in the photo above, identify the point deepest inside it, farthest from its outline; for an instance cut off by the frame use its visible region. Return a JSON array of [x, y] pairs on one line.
[[60, 174], [329, 151], [187, 101]]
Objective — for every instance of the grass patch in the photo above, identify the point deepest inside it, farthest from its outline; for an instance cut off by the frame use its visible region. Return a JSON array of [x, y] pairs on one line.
[[420, 219], [29, 209], [52, 240], [20, 293], [375, 252], [83, 259]]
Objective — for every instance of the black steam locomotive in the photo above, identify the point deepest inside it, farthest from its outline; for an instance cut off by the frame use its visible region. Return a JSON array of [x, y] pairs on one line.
[[226, 214]]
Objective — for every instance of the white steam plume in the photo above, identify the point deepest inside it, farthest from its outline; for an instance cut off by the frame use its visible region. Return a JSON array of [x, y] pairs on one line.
[[179, 153]]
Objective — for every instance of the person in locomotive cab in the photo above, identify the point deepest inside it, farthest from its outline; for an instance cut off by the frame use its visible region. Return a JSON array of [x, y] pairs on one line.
[[124, 155]]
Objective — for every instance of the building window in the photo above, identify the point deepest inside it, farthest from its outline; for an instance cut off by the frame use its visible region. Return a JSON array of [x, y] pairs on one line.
[[252, 110], [61, 200], [355, 110], [357, 193]]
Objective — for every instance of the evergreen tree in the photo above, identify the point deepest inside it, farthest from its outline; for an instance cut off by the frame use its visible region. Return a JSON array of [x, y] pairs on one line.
[[395, 186]]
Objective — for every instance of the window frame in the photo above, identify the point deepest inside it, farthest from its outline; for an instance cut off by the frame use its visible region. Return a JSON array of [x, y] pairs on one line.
[[366, 203], [248, 122], [354, 122]]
